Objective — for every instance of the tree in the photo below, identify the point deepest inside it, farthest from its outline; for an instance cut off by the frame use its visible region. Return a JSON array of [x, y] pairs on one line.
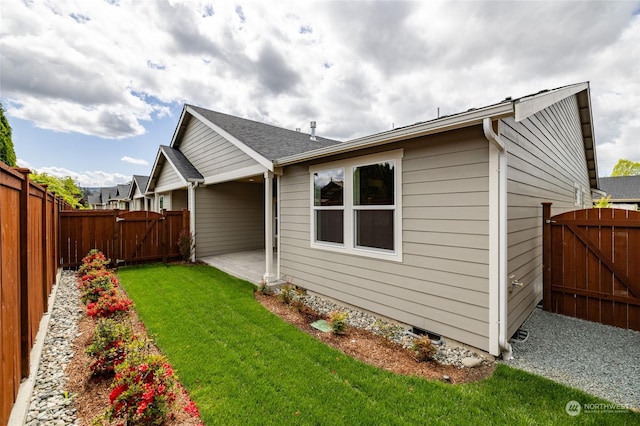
[[603, 203], [7, 153], [64, 188], [626, 168]]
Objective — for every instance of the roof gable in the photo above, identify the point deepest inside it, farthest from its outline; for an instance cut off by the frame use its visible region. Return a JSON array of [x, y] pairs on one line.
[[523, 107], [263, 142], [181, 165]]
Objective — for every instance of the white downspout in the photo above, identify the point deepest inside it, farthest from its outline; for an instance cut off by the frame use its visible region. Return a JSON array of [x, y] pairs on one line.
[[503, 339]]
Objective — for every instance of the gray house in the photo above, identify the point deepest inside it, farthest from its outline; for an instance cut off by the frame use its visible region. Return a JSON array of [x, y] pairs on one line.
[[136, 196], [624, 191], [436, 225]]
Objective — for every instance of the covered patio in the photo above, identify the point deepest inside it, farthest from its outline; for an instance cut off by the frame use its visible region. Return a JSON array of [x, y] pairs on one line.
[[248, 265]]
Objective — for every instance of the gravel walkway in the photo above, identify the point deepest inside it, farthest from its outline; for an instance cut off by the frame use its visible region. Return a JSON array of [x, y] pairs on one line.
[[598, 359], [50, 404]]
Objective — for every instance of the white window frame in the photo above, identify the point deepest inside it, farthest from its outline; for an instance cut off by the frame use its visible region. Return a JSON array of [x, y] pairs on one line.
[[349, 246], [578, 195]]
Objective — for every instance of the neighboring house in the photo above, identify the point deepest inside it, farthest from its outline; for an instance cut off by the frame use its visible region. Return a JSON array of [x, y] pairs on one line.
[[111, 197], [623, 190], [137, 188], [436, 225]]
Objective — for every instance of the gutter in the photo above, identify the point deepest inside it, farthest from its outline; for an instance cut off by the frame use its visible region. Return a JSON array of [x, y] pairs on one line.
[[457, 121], [503, 339]]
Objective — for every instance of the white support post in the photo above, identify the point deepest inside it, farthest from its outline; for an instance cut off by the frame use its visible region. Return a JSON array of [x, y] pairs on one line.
[[191, 205], [268, 227]]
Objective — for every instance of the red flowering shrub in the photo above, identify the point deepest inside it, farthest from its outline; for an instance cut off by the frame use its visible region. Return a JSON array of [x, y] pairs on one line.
[[94, 283], [109, 304], [94, 260], [143, 391], [109, 345]]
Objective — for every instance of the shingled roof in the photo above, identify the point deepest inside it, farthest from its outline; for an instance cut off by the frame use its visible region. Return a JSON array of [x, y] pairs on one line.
[[621, 188], [269, 141], [182, 164]]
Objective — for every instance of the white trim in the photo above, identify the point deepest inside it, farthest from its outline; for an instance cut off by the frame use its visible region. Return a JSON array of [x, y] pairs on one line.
[[349, 247], [494, 246], [245, 172], [268, 164], [526, 107], [191, 204], [279, 214], [268, 276], [465, 119]]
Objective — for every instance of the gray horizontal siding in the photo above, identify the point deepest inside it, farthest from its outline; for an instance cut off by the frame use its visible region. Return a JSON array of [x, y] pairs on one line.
[[168, 176], [442, 283], [545, 158], [229, 218], [209, 152]]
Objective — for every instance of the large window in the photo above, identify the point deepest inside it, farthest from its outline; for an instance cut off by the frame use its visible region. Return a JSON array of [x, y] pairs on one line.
[[328, 202], [356, 205]]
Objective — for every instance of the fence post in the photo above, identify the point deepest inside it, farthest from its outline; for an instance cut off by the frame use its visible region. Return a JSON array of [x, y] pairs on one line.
[[117, 244], [24, 273], [546, 256], [45, 254], [164, 235]]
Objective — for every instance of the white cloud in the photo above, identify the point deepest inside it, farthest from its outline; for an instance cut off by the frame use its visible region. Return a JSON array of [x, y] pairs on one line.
[[108, 70], [87, 178], [22, 163], [131, 160]]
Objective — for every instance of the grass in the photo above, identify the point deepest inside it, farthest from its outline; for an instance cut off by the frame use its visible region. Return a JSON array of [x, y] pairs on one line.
[[243, 365]]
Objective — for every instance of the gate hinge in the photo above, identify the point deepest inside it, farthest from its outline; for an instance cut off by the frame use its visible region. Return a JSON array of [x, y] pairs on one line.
[[549, 221], [119, 219], [119, 261]]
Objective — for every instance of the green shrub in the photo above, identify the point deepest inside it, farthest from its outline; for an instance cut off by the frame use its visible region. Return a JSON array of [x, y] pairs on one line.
[[109, 345], [423, 348], [338, 321], [287, 293], [108, 305], [94, 283], [143, 391], [186, 244], [94, 260]]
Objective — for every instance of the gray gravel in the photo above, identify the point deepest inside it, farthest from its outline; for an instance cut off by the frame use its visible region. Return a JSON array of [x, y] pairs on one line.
[[50, 403], [445, 354], [599, 359]]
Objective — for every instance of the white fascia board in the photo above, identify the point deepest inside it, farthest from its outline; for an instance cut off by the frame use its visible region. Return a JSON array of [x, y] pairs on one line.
[[179, 126], [243, 173], [528, 106], [148, 190], [466, 119], [268, 164]]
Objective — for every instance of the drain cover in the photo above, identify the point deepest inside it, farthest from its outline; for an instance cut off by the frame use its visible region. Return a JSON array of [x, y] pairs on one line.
[[321, 325], [520, 336]]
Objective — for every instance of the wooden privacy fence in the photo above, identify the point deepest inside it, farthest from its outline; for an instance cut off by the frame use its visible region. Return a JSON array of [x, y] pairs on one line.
[[28, 267], [124, 237], [592, 265]]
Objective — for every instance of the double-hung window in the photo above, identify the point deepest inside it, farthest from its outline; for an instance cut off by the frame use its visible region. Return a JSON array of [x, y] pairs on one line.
[[356, 206]]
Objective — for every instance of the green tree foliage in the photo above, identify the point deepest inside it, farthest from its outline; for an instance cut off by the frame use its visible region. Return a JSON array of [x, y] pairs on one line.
[[64, 188], [626, 168], [7, 153], [603, 203]]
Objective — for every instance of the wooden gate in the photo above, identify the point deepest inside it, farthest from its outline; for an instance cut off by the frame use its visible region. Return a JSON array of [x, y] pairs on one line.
[[124, 237], [592, 265]]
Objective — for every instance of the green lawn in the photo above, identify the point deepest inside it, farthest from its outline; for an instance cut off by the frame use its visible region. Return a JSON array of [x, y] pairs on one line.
[[243, 365]]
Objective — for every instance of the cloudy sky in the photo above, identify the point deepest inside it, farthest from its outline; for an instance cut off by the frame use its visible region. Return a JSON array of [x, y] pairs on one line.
[[92, 87]]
